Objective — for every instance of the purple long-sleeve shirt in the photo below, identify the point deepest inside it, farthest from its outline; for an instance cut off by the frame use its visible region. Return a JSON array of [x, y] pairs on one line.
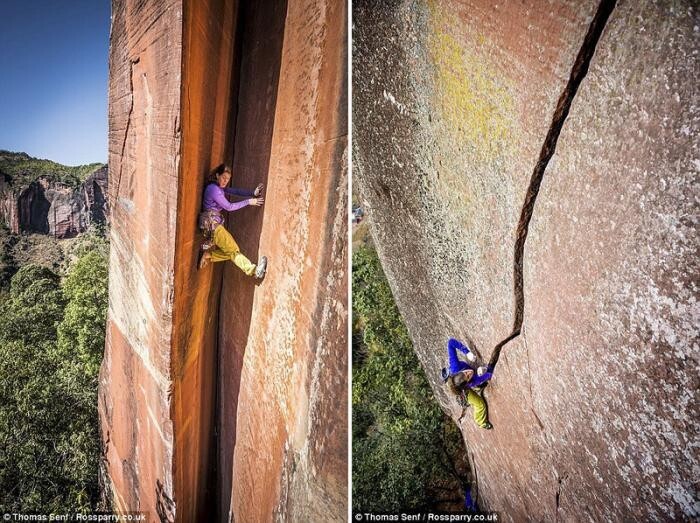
[[215, 198]]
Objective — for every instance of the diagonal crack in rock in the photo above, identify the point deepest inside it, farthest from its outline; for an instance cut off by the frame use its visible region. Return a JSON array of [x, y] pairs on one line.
[[578, 73]]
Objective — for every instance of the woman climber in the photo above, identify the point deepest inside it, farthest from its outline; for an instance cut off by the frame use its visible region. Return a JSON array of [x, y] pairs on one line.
[[219, 245], [464, 380]]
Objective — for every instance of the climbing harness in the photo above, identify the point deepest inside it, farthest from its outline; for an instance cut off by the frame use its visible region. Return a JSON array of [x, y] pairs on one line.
[[208, 221]]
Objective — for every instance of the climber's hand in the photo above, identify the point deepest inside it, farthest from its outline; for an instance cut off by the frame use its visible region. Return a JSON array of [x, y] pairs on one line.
[[256, 201], [258, 190]]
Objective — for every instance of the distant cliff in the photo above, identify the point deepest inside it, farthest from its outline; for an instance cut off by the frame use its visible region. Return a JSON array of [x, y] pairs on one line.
[[457, 107], [45, 197]]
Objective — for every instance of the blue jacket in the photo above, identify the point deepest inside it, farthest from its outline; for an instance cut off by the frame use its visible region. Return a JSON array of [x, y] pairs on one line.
[[457, 365]]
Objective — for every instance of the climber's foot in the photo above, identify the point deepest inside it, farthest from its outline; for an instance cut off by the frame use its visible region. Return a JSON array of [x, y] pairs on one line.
[[204, 259], [471, 357], [487, 426], [261, 268]]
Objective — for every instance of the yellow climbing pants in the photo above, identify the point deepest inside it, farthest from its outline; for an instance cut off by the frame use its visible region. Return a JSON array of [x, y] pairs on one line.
[[479, 406], [227, 249]]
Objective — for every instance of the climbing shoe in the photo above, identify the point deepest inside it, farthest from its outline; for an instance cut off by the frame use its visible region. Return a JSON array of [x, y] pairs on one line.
[[471, 357], [487, 426], [261, 268], [204, 259]]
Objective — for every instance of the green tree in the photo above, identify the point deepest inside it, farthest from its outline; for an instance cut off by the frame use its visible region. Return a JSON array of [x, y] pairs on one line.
[[7, 263], [20, 170], [404, 447], [33, 307], [51, 340], [81, 338], [82, 331], [29, 392]]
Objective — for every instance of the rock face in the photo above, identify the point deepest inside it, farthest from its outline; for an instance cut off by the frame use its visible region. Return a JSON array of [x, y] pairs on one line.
[[47, 206], [594, 402], [95, 190], [220, 398], [283, 348]]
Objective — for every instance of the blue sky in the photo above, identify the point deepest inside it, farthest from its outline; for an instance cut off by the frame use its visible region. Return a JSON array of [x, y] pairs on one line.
[[53, 79]]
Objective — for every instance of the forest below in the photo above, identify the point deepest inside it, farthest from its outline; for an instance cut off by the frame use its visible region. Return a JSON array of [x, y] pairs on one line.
[[407, 453], [53, 306]]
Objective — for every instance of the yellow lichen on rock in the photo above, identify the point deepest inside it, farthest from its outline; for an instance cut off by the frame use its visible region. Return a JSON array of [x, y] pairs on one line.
[[474, 102]]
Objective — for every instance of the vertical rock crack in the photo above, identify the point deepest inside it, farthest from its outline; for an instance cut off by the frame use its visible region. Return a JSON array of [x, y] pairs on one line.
[[578, 73], [132, 62], [557, 495]]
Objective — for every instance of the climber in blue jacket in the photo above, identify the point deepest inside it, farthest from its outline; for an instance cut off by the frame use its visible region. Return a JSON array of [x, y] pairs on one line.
[[463, 378], [480, 375]]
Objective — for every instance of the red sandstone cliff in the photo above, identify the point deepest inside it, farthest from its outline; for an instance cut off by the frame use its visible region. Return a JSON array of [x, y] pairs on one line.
[[220, 398], [48, 206], [594, 403]]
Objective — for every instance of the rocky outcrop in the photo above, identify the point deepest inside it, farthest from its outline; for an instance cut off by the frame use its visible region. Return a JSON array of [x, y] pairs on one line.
[[458, 107], [220, 398], [94, 189], [48, 206]]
